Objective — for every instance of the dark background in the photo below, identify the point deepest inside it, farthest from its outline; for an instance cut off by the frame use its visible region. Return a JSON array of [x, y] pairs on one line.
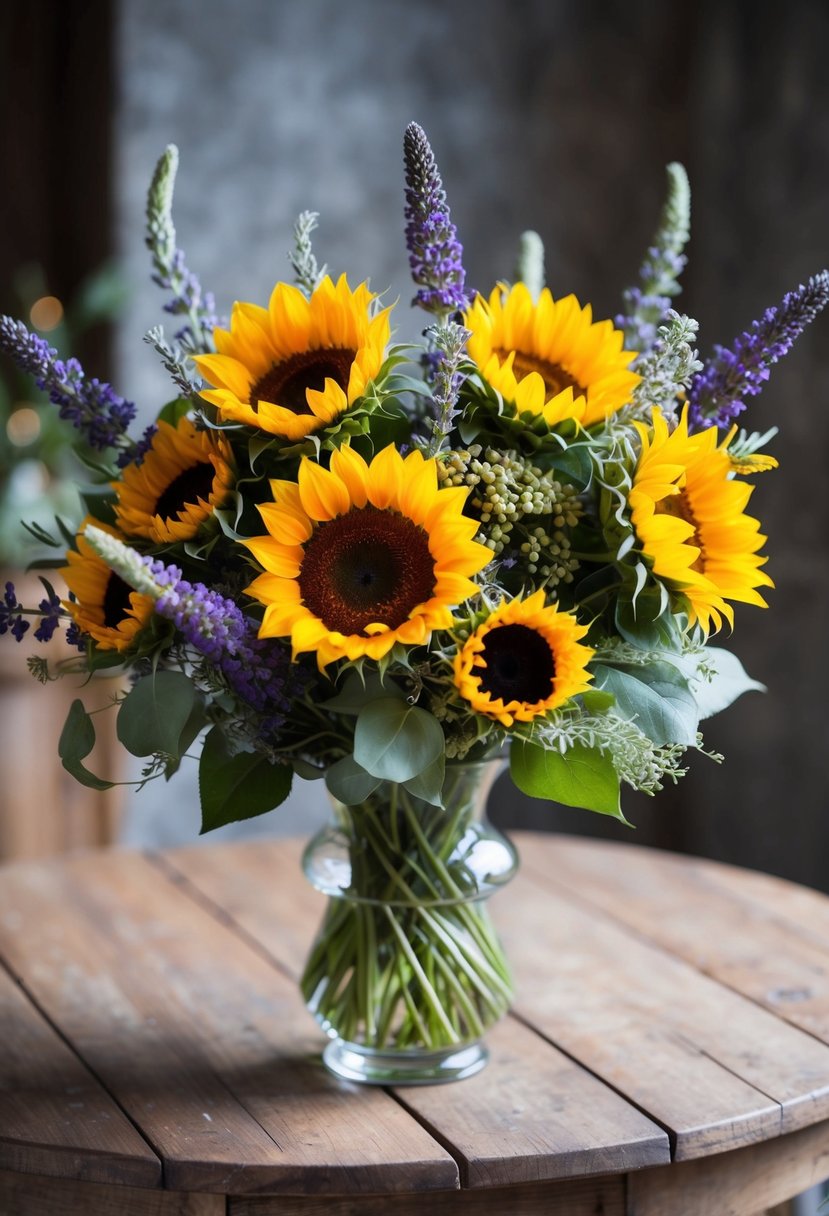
[[556, 116]]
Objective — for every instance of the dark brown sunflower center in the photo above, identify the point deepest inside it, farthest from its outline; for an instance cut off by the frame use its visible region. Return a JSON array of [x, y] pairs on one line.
[[190, 485], [285, 383], [366, 566], [519, 665], [116, 601], [679, 506], [555, 377]]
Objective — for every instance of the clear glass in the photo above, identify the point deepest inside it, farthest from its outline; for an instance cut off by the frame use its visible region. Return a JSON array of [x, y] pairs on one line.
[[407, 973]]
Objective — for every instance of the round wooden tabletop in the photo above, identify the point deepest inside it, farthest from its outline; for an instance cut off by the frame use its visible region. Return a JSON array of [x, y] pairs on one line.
[[668, 1050]]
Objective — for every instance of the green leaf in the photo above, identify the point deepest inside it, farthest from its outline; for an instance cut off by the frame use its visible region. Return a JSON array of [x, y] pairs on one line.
[[241, 786], [730, 682], [358, 690], [349, 783], [575, 462], [428, 785], [582, 777], [175, 410], [597, 701], [77, 740], [195, 723], [154, 714], [642, 625], [656, 697], [396, 741]]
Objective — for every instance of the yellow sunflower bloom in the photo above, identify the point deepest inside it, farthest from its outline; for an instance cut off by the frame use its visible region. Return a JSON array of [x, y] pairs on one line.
[[105, 606], [524, 660], [688, 511], [294, 367], [362, 556], [184, 475], [549, 358]]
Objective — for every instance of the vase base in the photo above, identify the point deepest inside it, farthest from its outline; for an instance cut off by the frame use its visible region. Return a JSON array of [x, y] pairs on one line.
[[370, 1066]]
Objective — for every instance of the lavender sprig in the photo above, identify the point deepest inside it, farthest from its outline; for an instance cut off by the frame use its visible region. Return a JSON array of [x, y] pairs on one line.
[[435, 254], [93, 407], [646, 305], [258, 671], [171, 272], [666, 369], [12, 614], [307, 273], [717, 394], [448, 348], [529, 268]]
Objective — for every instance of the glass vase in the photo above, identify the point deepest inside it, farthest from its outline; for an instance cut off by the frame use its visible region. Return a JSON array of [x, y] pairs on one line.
[[407, 973]]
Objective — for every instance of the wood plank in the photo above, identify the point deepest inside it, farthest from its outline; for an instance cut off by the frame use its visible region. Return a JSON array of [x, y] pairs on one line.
[[531, 1114], [534, 1114], [707, 1064], [762, 936], [55, 1118], [580, 1197], [742, 1183], [24, 1195], [203, 1043]]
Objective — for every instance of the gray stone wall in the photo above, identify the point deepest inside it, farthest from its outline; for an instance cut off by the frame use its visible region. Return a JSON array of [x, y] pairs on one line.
[[558, 116]]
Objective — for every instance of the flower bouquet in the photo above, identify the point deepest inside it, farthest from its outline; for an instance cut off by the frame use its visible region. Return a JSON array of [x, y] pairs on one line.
[[395, 567]]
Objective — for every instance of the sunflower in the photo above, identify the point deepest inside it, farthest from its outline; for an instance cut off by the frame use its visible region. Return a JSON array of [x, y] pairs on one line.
[[294, 367], [524, 660], [550, 358], [104, 606], [688, 512], [362, 556], [184, 475]]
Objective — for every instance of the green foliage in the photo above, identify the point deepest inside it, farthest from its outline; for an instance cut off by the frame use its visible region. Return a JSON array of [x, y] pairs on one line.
[[656, 697], [396, 741], [156, 713], [728, 681], [581, 777], [76, 741], [237, 785]]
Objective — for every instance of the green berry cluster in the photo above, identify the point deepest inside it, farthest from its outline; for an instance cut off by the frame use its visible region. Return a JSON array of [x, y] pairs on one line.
[[524, 512]]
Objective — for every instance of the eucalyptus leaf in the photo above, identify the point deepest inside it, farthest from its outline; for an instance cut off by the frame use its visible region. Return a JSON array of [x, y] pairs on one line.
[[77, 740], [730, 682], [656, 697], [237, 786], [581, 777], [428, 785], [155, 712], [349, 783], [396, 741], [358, 690]]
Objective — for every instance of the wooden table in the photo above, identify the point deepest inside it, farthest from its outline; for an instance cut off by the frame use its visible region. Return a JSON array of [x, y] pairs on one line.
[[668, 1054]]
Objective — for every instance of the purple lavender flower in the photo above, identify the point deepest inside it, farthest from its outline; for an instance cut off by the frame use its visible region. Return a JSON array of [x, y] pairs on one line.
[[51, 614], [435, 254], [646, 305], [717, 394], [259, 671], [11, 618], [93, 407], [170, 269]]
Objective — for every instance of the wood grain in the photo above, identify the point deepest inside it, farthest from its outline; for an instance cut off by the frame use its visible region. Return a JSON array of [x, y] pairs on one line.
[[54, 1116], [203, 1043], [23, 1195], [581, 1197], [764, 937], [531, 1114], [704, 1062], [743, 1183]]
